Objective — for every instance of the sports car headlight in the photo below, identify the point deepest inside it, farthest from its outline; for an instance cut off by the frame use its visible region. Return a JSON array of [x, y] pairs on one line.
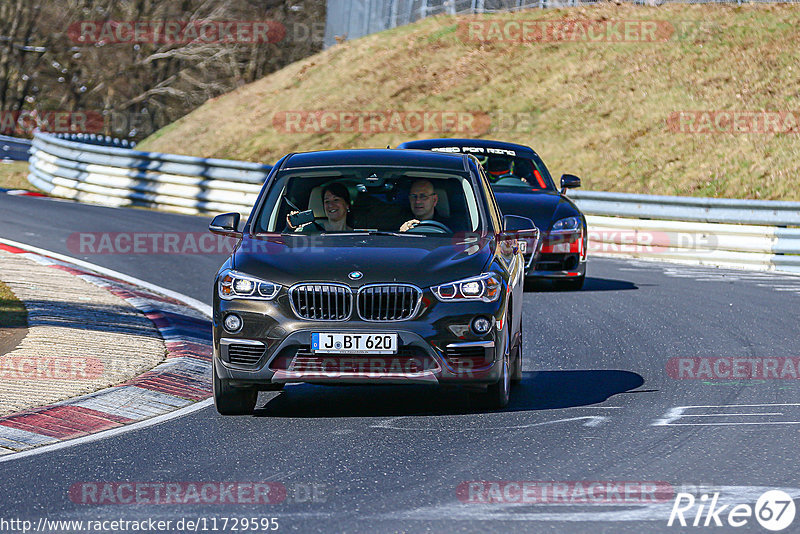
[[485, 287], [569, 224], [235, 285]]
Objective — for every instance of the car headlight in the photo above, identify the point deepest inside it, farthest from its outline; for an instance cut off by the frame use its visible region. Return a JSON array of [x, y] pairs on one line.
[[235, 285], [568, 224], [485, 287]]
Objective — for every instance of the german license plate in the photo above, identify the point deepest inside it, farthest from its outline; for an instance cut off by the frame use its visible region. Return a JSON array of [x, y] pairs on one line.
[[337, 343]]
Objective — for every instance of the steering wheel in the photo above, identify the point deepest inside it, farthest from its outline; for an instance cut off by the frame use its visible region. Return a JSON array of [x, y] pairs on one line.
[[432, 227]]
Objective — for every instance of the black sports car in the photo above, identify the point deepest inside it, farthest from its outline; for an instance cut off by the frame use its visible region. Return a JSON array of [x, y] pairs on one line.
[[523, 186], [370, 266]]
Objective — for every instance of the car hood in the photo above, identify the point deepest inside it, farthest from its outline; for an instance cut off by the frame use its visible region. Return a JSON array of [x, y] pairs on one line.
[[543, 207], [423, 261]]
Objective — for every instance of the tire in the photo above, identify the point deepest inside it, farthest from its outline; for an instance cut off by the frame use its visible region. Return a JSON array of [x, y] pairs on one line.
[[498, 394], [572, 284], [516, 375], [232, 401]]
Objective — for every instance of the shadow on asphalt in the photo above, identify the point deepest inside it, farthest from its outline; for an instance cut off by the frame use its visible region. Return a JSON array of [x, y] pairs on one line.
[[591, 284], [119, 319], [543, 390]]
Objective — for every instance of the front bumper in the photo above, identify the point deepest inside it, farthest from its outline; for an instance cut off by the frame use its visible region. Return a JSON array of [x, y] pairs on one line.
[[561, 256], [273, 347], [558, 266]]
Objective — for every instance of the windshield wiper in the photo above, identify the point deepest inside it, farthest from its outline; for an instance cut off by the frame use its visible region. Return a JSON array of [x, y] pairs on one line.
[[395, 234], [355, 232]]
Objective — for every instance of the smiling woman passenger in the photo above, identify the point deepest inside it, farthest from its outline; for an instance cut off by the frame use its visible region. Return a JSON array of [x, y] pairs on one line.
[[336, 202]]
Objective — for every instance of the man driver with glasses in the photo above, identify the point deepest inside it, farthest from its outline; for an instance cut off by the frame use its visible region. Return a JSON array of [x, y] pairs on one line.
[[422, 201]]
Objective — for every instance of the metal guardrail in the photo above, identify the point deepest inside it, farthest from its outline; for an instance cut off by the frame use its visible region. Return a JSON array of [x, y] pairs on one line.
[[96, 139], [766, 248], [117, 176], [719, 210], [14, 148], [746, 234]]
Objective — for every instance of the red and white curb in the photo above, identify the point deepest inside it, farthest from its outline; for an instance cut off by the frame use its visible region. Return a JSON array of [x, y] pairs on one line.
[[178, 383], [23, 193]]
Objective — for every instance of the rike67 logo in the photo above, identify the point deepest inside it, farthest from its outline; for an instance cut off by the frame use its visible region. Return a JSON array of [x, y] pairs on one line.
[[774, 510]]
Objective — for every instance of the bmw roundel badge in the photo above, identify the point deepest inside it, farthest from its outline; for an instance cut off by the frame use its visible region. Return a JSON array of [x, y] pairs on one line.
[[355, 275]]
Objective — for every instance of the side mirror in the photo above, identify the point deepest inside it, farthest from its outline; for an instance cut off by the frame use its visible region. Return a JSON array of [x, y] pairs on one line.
[[226, 224], [569, 181], [522, 232], [514, 223]]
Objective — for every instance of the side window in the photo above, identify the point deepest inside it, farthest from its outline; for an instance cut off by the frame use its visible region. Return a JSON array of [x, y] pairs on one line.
[[494, 212]]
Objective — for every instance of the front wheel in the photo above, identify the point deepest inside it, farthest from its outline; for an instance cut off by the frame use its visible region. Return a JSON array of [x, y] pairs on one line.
[[516, 375], [499, 393], [230, 400]]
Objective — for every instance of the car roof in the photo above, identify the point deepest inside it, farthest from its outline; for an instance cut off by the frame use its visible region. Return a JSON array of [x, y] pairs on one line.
[[427, 144], [379, 158]]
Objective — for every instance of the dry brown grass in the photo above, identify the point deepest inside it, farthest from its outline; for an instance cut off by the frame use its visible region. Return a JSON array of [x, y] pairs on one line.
[[600, 109], [12, 312], [14, 175]]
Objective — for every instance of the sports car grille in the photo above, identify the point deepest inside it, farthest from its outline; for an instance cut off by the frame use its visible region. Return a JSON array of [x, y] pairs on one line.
[[322, 302], [388, 302], [556, 262], [245, 354]]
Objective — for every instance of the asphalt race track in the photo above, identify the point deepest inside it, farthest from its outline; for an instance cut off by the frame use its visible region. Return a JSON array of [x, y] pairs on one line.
[[596, 404]]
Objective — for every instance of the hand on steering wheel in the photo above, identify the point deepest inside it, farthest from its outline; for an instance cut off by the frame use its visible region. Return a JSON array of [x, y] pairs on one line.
[[439, 228]]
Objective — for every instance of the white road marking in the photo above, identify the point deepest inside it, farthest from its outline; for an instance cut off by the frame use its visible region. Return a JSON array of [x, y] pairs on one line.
[[193, 303], [109, 433], [659, 511], [679, 412], [593, 421], [726, 414], [793, 288]]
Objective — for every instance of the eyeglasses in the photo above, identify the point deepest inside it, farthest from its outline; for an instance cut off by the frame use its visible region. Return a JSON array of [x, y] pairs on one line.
[[423, 198]]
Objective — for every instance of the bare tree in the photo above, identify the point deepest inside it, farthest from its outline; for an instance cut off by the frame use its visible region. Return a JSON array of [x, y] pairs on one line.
[[45, 65]]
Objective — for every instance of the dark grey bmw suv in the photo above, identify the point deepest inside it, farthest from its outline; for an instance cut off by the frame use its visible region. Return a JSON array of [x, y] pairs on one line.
[[370, 266]]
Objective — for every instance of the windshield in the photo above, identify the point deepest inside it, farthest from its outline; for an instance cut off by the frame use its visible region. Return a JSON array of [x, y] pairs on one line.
[[506, 168], [353, 199]]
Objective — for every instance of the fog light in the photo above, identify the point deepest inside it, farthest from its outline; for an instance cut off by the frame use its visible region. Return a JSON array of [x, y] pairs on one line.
[[233, 323], [481, 325]]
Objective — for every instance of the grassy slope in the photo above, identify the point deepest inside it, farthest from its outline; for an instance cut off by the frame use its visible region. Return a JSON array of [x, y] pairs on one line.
[[600, 108], [12, 312], [14, 175]]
